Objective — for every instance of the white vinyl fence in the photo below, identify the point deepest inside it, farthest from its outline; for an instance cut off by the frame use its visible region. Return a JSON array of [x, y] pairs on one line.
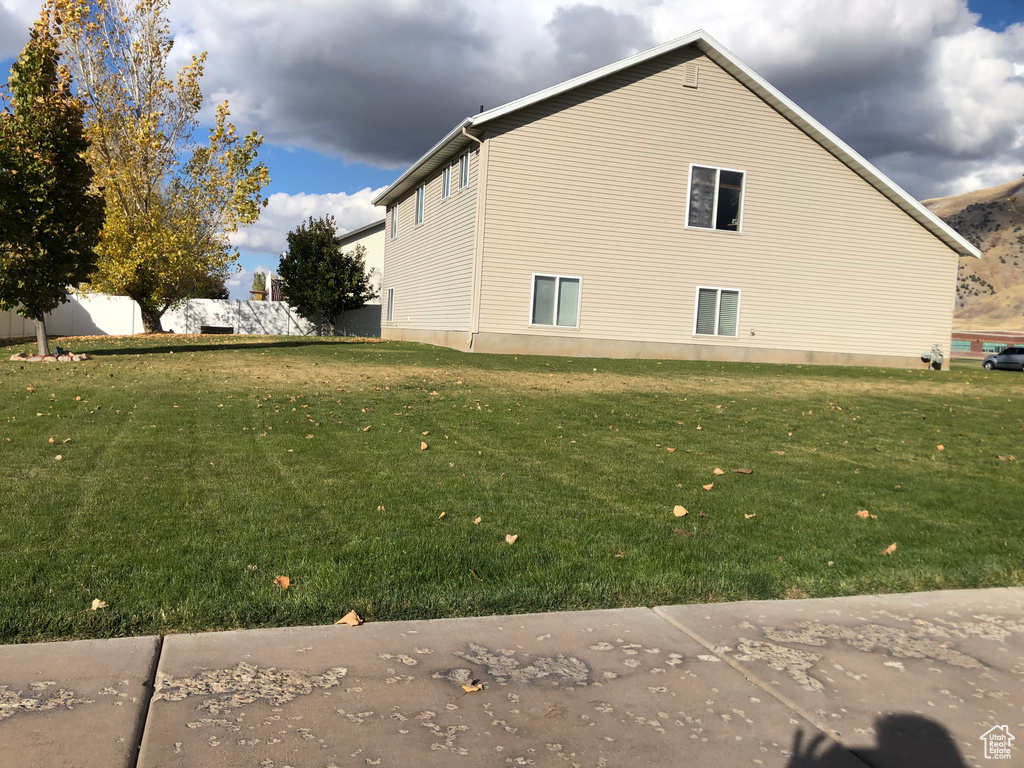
[[120, 316]]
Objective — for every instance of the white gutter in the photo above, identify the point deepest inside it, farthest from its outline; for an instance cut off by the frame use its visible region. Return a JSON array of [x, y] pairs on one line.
[[385, 197]]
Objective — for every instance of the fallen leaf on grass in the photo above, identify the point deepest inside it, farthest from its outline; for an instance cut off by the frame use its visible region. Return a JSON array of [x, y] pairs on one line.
[[719, 471], [97, 604], [472, 687], [477, 521], [781, 453], [30, 388], [890, 549], [51, 440], [65, 441], [941, 447], [381, 509], [473, 574], [1007, 458], [366, 428], [510, 538], [426, 433], [441, 515], [621, 554], [865, 514], [423, 446], [698, 426], [671, 450], [309, 437], [283, 582], [58, 457], [750, 515], [708, 487], [350, 619], [743, 471], [679, 510]]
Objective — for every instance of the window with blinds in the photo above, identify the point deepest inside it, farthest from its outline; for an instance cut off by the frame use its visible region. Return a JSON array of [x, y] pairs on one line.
[[556, 301], [715, 198], [717, 312]]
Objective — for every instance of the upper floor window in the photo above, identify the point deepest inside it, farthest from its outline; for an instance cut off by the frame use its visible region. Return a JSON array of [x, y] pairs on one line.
[[446, 182], [464, 171], [394, 221], [421, 194], [715, 198], [390, 317]]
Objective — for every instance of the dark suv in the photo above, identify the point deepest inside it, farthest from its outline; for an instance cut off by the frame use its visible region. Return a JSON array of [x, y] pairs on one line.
[[1010, 359]]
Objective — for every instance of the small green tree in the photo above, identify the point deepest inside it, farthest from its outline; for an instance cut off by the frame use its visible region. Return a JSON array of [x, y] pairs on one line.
[[321, 281], [259, 286], [49, 219]]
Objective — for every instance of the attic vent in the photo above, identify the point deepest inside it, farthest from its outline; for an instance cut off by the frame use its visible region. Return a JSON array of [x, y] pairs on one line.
[[690, 75]]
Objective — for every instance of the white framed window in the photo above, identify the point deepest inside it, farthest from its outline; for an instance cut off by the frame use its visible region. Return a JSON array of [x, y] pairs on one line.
[[446, 182], [555, 301], [394, 221], [716, 312], [464, 171], [714, 199], [391, 305], [421, 194]]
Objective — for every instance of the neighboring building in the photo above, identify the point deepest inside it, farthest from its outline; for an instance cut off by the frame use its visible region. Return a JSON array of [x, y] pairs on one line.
[[674, 205], [371, 237], [981, 344]]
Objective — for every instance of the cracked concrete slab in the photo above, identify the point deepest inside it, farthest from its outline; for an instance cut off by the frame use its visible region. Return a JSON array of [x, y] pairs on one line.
[[75, 704], [899, 679], [591, 689]]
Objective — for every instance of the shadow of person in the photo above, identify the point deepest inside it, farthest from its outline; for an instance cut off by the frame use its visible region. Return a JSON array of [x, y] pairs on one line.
[[903, 740]]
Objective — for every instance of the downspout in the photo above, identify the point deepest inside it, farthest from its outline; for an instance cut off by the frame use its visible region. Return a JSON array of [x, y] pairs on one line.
[[474, 308]]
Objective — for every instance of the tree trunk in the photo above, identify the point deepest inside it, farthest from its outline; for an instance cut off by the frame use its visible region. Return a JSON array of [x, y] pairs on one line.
[[151, 320], [41, 343]]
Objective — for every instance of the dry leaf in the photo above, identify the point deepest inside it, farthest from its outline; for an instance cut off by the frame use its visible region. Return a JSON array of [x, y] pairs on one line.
[[750, 515], [941, 447], [97, 604], [781, 453], [472, 687], [426, 433], [51, 439], [283, 582], [66, 441], [679, 510], [30, 388], [309, 437], [719, 471], [423, 446], [381, 508], [441, 515], [698, 426], [1007, 458], [864, 513], [743, 471], [511, 537], [473, 574], [58, 457], [671, 450], [350, 619], [434, 392], [477, 521], [621, 554], [708, 487], [366, 428], [890, 549]]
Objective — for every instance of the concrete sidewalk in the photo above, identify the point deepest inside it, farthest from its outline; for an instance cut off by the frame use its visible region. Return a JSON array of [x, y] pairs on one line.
[[890, 681]]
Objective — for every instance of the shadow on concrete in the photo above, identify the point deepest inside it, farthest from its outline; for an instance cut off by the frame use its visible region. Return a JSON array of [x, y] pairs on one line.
[[157, 348], [903, 740]]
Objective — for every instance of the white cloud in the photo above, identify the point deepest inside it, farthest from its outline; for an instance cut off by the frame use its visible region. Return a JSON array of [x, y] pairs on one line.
[[285, 212]]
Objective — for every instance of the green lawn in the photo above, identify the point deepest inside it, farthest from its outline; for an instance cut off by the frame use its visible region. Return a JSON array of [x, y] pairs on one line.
[[198, 469]]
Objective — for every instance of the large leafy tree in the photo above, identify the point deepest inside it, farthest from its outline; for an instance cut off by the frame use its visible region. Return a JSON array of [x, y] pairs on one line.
[[49, 219], [320, 280], [171, 202]]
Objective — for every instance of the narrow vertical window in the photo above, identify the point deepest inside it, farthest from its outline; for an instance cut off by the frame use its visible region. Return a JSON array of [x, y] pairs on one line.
[[420, 195], [715, 198], [464, 171], [556, 301], [394, 221], [446, 182], [717, 312], [391, 305]]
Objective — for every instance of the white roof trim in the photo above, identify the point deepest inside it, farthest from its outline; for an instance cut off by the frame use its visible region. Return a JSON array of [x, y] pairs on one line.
[[775, 98]]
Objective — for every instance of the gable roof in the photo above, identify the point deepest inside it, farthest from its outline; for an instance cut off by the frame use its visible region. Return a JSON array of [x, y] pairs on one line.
[[457, 140]]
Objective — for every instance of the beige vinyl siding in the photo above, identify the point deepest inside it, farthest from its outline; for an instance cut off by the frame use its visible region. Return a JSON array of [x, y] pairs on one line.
[[430, 265], [373, 241], [594, 183]]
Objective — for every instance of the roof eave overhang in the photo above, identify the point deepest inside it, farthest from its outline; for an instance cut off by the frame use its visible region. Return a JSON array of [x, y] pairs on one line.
[[412, 176]]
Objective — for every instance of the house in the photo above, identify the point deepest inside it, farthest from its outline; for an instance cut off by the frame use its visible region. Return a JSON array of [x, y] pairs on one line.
[[675, 205], [371, 237]]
